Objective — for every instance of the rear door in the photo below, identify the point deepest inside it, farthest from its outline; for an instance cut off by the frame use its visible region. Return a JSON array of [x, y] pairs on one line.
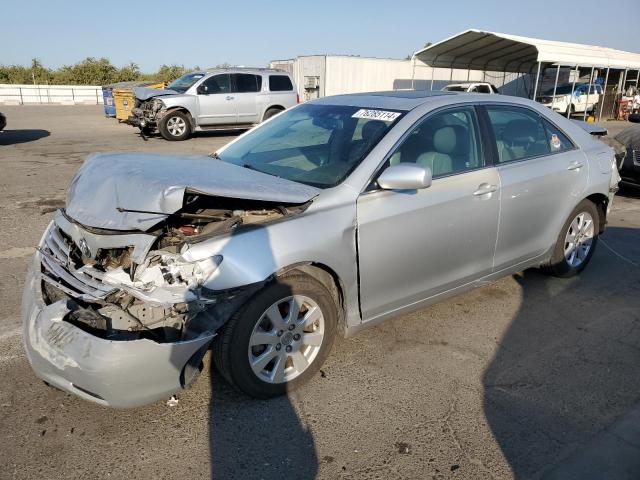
[[415, 244], [246, 87], [216, 102], [542, 178]]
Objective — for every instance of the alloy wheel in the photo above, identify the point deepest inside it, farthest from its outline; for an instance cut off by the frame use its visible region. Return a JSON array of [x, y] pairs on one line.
[[579, 239], [286, 339], [176, 126]]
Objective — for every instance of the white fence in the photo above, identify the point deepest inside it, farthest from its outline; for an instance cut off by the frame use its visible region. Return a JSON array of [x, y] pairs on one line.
[[58, 94]]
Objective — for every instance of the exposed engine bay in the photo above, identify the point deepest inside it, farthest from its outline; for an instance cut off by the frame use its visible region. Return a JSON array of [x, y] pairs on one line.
[[147, 113], [131, 285]]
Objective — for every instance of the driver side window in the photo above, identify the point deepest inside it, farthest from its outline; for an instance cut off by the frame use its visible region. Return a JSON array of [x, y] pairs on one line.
[[217, 84], [446, 142]]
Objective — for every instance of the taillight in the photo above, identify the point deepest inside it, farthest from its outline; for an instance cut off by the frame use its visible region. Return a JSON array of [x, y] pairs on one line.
[[297, 98]]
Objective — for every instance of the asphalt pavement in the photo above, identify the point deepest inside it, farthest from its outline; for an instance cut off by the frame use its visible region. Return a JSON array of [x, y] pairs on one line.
[[529, 377]]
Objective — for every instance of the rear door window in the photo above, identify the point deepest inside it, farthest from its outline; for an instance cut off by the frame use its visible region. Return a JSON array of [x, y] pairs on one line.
[[519, 133], [245, 82], [558, 141], [280, 83]]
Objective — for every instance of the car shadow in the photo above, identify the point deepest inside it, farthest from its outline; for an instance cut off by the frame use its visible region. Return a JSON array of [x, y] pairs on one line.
[[567, 367], [212, 134], [257, 439], [12, 137], [250, 438]]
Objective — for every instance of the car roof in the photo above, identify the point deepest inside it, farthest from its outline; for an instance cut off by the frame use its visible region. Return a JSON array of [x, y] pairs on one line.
[[255, 71], [466, 84], [396, 99], [407, 100]]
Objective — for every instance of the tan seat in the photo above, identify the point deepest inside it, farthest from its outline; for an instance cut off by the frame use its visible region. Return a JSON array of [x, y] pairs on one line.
[[439, 160]]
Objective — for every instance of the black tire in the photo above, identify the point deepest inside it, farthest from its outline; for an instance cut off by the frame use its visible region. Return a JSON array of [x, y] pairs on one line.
[[558, 265], [168, 132], [271, 112], [231, 347]]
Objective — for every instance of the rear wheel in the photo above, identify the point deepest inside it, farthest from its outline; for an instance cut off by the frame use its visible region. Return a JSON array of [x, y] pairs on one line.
[[279, 339], [270, 113], [175, 126], [577, 241]]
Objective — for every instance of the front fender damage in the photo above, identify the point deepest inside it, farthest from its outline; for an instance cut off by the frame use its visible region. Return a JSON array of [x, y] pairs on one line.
[[121, 318]]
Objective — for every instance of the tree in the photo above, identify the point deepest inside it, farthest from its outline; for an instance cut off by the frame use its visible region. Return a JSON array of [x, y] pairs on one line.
[[90, 71]]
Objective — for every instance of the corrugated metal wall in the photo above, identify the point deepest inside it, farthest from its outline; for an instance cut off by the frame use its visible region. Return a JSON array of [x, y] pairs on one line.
[[335, 74]]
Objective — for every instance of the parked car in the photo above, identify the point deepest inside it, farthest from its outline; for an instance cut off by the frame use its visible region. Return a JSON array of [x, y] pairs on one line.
[[630, 138], [3, 121], [212, 100], [331, 217], [471, 87], [585, 97]]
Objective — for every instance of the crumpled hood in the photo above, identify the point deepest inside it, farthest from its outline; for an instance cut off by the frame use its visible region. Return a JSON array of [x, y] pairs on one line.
[[157, 183], [145, 93]]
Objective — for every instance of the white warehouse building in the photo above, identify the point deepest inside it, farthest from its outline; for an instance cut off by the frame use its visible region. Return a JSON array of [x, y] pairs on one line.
[[323, 75]]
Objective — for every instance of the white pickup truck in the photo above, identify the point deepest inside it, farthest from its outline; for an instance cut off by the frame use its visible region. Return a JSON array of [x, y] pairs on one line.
[[471, 87]]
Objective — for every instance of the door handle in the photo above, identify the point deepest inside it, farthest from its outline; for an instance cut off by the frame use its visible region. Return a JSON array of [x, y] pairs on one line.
[[485, 188], [229, 97], [575, 165]]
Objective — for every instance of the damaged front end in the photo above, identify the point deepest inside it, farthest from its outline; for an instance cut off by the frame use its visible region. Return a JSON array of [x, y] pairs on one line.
[[147, 114], [120, 317]]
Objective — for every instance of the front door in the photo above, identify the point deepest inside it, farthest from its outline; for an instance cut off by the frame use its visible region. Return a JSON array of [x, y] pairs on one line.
[[415, 244], [216, 101]]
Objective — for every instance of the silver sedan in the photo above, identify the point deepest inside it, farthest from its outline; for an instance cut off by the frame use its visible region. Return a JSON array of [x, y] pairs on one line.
[[328, 218]]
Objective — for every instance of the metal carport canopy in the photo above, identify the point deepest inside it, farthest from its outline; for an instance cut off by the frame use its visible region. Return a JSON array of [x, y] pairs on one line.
[[491, 51]]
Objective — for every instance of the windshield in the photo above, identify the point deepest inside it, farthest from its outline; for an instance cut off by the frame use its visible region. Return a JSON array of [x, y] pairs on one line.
[[562, 90], [185, 82], [318, 145], [456, 88]]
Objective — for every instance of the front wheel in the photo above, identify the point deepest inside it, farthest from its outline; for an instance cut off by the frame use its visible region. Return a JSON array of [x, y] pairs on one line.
[[280, 339], [175, 126], [577, 241], [571, 109]]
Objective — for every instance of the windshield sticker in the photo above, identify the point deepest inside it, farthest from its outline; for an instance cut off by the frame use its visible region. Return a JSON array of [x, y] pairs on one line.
[[556, 144], [376, 115]]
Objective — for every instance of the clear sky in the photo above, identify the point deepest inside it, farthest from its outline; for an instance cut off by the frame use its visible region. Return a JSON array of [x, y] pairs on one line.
[[251, 33]]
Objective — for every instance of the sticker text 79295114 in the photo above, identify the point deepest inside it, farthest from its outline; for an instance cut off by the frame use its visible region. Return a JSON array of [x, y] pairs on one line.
[[383, 115]]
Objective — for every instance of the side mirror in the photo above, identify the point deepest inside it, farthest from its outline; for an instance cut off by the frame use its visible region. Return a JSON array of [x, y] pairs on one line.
[[405, 176], [202, 89]]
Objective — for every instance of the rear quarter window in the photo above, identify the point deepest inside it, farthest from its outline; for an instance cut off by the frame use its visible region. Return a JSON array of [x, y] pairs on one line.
[[280, 83]]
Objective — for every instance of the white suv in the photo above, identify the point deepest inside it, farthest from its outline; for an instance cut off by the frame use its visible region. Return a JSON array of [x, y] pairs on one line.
[[213, 99], [564, 102]]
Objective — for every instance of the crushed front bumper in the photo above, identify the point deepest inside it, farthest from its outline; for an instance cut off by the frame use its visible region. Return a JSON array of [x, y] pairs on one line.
[[118, 374]]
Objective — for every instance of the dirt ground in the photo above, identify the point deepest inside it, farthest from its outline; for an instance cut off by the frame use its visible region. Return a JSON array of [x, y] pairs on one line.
[[503, 382]]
